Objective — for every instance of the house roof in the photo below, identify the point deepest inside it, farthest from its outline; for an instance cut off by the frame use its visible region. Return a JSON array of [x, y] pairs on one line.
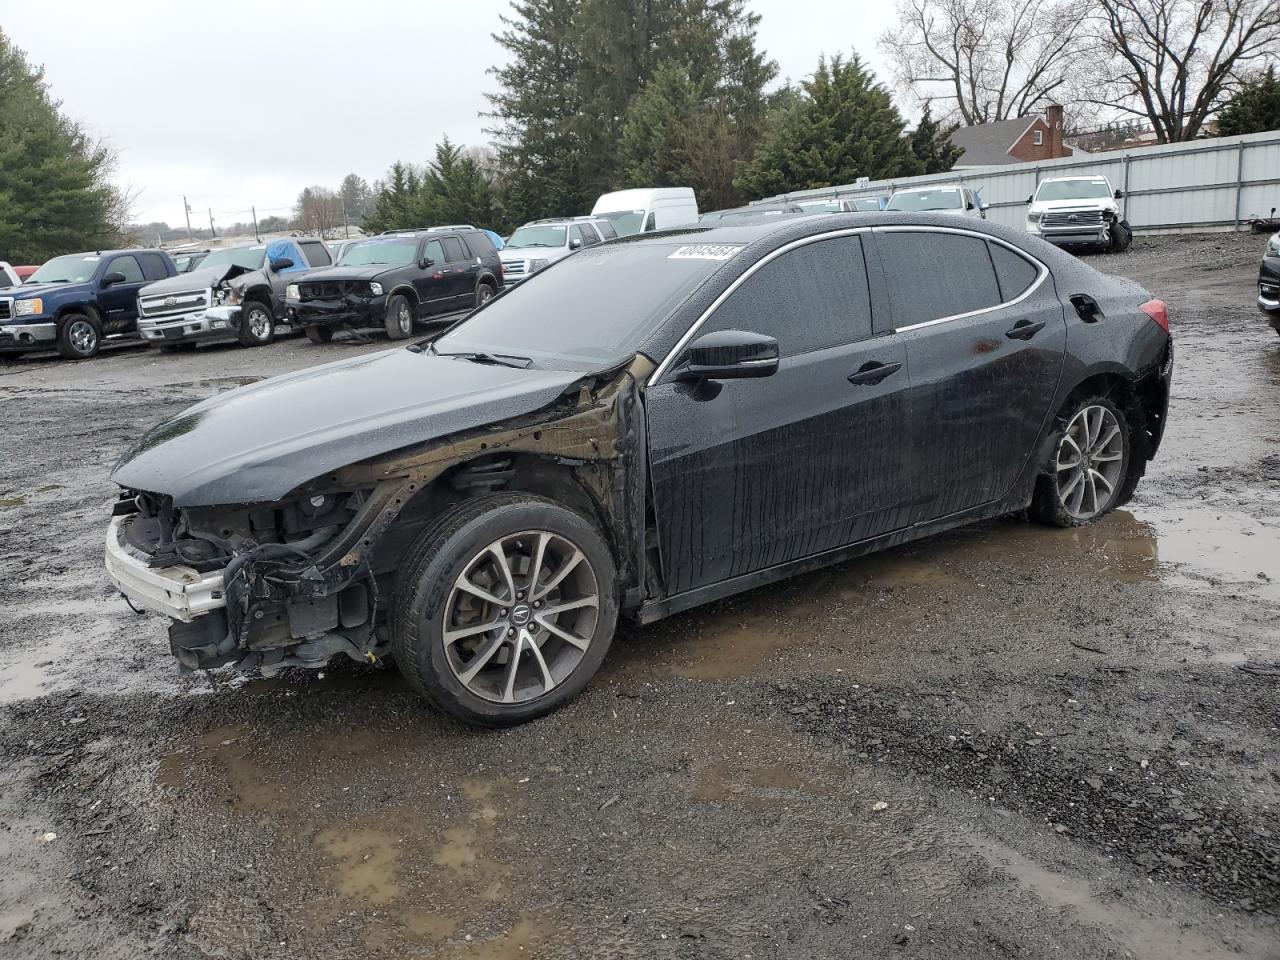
[[987, 144]]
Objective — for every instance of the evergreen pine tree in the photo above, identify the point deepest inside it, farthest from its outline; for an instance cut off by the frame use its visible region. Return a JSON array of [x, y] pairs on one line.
[[931, 144], [842, 126], [55, 190], [1255, 108]]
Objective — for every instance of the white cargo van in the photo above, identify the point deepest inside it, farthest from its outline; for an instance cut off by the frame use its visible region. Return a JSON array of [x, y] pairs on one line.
[[647, 209]]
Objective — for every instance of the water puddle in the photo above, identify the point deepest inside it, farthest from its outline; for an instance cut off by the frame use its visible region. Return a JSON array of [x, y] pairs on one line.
[[764, 785], [1223, 548], [48, 667], [12, 501], [1144, 937]]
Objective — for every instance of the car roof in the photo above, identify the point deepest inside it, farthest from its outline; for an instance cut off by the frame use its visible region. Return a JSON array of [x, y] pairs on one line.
[[931, 186], [1083, 176]]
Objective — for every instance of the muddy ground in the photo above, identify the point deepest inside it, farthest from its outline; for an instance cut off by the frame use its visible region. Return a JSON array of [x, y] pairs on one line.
[[1005, 742]]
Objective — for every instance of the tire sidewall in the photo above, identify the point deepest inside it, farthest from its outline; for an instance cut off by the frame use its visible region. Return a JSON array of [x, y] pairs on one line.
[[426, 592], [481, 290], [246, 330], [392, 322], [65, 346], [1055, 511]]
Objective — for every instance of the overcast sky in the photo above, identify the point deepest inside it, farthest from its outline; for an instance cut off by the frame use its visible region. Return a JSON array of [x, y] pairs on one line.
[[236, 103]]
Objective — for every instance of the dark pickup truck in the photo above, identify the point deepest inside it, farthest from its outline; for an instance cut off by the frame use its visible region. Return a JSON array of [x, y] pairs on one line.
[[395, 280], [75, 301], [236, 293]]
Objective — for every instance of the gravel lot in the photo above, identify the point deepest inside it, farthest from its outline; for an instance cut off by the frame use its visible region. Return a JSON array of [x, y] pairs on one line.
[[1007, 741]]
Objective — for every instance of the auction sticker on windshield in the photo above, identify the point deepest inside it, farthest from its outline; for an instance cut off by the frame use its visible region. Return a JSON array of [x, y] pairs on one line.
[[705, 251]]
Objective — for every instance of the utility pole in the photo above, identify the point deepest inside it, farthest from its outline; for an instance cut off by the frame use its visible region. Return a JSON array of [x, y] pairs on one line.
[[254, 211], [212, 232], [187, 207]]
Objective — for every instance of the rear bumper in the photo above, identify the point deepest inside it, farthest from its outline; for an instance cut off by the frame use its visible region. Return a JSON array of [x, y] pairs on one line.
[[202, 324], [178, 592], [28, 336], [349, 311]]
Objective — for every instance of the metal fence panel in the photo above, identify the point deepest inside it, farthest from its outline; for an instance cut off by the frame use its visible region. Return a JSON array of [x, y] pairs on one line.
[[1213, 184]]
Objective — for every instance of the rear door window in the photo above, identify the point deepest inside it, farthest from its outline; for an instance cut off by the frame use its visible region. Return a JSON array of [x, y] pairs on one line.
[[1014, 272], [153, 266], [582, 234], [480, 244], [454, 250], [932, 275], [316, 253], [810, 298]]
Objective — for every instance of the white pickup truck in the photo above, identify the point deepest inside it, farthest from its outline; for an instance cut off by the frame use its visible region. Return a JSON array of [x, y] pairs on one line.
[[1078, 210], [8, 277]]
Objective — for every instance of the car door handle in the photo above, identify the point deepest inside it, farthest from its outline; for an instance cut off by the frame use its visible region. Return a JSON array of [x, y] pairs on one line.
[[873, 371], [1024, 330]]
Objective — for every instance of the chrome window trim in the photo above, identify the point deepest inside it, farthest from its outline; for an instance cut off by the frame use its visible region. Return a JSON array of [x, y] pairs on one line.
[[1043, 272], [683, 342]]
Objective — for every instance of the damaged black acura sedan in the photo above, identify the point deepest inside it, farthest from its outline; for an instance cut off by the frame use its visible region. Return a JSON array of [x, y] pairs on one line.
[[644, 426]]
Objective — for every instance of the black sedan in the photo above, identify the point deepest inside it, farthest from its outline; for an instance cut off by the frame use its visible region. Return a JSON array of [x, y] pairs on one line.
[[642, 427], [1269, 283]]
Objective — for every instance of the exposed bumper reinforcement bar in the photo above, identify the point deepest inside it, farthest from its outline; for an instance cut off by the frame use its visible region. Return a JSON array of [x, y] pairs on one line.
[[178, 592]]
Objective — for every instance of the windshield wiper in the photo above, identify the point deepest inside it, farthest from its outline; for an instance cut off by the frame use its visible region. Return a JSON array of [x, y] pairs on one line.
[[500, 359]]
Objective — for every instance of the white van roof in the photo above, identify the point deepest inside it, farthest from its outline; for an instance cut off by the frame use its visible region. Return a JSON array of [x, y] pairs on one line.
[[639, 198]]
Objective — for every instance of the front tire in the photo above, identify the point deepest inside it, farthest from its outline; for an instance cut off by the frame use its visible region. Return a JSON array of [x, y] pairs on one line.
[[1121, 236], [1089, 471], [504, 609], [79, 337], [319, 334], [257, 324], [399, 321]]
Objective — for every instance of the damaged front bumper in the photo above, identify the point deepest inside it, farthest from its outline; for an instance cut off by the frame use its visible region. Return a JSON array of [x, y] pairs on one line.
[[349, 310], [221, 321], [179, 592]]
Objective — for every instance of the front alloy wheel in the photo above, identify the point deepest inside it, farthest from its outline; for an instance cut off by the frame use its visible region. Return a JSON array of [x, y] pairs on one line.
[[521, 616], [504, 608]]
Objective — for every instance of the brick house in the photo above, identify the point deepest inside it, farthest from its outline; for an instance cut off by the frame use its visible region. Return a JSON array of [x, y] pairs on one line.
[[1012, 141]]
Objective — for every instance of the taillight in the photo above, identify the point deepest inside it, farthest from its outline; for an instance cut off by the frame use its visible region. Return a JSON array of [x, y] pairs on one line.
[[1157, 311]]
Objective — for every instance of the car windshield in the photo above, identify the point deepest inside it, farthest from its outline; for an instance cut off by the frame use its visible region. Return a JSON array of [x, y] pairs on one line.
[[251, 258], [948, 199], [539, 236], [866, 203], [75, 268], [731, 216], [820, 206], [589, 311], [626, 222], [388, 251], [1073, 190]]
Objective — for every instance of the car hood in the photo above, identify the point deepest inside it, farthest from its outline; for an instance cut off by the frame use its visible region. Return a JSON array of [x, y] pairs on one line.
[[200, 278], [257, 443], [38, 289], [350, 273], [1079, 203]]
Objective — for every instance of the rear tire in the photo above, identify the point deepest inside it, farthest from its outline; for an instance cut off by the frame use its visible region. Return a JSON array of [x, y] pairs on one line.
[[79, 337], [522, 637], [484, 293], [257, 324], [399, 320], [319, 334], [1090, 470]]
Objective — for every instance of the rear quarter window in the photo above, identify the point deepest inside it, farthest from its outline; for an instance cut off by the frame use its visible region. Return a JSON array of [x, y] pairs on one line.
[[1015, 273], [934, 275], [606, 229], [317, 254]]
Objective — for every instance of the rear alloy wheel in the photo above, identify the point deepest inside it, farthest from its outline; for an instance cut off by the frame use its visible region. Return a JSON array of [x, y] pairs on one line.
[[79, 337], [257, 325], [399, 320], [319, 334], [1087, 476], [484, 293], [505, 609]]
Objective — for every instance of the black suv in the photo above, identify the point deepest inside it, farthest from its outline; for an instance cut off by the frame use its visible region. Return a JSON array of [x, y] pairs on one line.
[[396, 279]]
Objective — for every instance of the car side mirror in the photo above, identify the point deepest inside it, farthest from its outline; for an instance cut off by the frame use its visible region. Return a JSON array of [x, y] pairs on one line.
[[1031, 199], [111, 279], [280, 264], [968, 205], [1119, 194], [425, 262], [730, 355], [575, 243]]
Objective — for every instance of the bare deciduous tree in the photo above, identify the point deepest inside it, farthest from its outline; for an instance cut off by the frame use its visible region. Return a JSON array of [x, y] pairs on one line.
[[1175, 62], [318, 211], [985, 60]]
